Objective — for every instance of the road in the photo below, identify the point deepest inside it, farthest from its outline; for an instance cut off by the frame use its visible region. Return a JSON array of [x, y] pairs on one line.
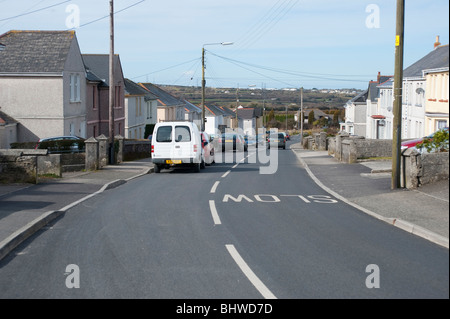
[[228, 232]]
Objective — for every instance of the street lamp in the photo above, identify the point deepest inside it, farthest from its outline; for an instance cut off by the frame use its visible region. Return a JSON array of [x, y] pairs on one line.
[[204, 80]]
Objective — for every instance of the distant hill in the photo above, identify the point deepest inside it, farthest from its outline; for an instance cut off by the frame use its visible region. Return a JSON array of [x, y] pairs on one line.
[[272, 99]]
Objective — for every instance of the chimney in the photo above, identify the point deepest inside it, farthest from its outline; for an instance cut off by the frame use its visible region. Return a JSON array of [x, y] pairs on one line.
[[437, 43], [379, 77]]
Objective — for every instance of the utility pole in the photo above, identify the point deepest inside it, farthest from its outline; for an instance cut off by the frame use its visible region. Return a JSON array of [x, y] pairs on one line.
[[286, 118], [301, 115], [398, 85], [112, 87], [237, 106], [203, 89]]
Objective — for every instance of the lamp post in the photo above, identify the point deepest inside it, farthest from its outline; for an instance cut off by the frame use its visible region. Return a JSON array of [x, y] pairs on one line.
[[204, 80]]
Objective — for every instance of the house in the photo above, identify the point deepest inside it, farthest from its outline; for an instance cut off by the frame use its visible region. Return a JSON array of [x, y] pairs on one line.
[[250, 120], [436, 99], [140, 110], [436, 94], [42, 83], [362, 111], [169, 108], [8, 131], [215, 119], [193, 113], [229, 118], [424, 97], [97, 96]]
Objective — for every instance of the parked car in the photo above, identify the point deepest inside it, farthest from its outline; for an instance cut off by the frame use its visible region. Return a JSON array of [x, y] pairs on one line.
[[208, 148], [62, 144], [233, 141], [413, 143], [277, 140], [177, 144]]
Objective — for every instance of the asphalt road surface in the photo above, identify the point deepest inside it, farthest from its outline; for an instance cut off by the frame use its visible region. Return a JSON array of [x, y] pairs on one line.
[[228, 232]]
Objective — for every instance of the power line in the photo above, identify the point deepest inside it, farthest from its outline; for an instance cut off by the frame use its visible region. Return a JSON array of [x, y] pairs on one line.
[[107, 16], [293, 73], [168, 68], [34, 11]]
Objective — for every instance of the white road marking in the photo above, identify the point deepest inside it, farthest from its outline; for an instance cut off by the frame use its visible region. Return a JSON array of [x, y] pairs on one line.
[[259, 285], [226, 174], [214, 188], [215, 215]]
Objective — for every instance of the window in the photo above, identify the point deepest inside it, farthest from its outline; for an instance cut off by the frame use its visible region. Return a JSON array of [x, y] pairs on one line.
[[440, 124], [75, 88], [164, 134], [182, 134]]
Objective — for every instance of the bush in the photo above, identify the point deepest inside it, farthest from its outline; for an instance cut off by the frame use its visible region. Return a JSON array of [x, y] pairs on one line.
[[438, 143]]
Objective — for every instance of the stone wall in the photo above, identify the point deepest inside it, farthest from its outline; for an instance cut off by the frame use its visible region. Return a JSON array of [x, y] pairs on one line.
[[136, 149], [422, 169], [350, 149], [15, 167], [73, 162]]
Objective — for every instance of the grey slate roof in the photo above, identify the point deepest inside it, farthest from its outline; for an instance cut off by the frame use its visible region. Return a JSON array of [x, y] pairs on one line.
[[192, 108], [438, 58], [35, 51], [249, 113], [133, 88], [97, 66], [215, 110], [164, 97]]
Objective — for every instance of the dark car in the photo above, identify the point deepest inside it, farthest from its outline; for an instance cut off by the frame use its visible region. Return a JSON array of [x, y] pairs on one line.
[[277, 140], [232, 141], [62, 144]]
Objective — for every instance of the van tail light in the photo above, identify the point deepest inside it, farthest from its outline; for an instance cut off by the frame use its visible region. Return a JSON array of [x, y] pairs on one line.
[[153, 149], [195, 148]]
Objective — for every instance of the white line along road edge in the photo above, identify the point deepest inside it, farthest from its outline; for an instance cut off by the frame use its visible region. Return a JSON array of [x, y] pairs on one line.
[[259, 285]]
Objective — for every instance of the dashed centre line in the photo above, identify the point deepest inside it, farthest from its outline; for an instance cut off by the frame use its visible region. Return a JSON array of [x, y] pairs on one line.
[[226, 174], [214, 188]]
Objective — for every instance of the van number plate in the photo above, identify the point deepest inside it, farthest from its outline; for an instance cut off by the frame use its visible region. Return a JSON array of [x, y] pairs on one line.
[[173, 161]]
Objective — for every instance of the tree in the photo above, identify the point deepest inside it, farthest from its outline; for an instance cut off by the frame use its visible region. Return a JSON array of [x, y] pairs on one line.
[[311, 118], [336, 117], [271, 116]]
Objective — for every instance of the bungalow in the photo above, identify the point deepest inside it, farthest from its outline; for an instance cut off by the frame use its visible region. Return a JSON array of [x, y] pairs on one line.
[[250, 120], [42, 83], [98, 86], [215, 119], [169, 107]]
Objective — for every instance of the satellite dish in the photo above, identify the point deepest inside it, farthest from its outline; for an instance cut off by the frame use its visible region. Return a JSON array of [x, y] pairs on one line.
[[389, 108], [420, 91]]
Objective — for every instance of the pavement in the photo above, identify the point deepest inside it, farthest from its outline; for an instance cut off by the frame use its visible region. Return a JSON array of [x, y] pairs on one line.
[[25, 208]]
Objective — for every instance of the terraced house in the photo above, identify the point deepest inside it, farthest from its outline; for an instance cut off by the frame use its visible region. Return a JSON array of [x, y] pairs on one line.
[[42, 83]]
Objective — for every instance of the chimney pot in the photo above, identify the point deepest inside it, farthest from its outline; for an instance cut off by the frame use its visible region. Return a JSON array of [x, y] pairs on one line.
[[437, 43]]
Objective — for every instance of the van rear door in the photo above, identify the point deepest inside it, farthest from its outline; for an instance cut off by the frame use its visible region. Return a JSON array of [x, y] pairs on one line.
[[183, 146], [163, 142]]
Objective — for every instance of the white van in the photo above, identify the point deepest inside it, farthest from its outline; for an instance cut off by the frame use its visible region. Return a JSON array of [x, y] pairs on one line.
[[177, 144]]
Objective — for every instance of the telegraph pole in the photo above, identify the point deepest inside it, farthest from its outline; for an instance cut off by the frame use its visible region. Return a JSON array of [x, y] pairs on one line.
[[112, 87], [398, 86], [203, 89], [301, 115]]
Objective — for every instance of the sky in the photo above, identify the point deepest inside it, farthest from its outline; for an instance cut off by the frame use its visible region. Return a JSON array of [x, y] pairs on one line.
[[276, 43]]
